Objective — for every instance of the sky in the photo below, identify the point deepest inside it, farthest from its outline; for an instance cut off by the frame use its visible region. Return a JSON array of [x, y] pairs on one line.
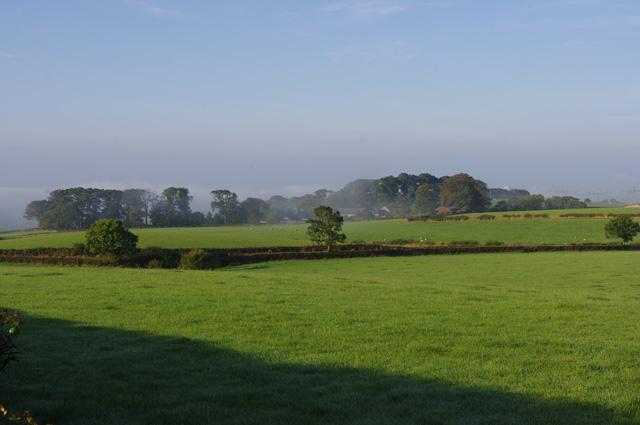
[[287, 96]]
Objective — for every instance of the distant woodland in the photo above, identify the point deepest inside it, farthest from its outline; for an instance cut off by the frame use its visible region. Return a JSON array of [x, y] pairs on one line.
[[405, 195]]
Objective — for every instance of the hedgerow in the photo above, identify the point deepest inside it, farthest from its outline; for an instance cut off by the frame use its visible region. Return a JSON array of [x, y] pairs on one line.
[[213, 258]]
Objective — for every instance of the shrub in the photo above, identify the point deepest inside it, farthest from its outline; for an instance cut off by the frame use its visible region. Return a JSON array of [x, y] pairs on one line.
[[12, 417], [464, 243], [494, 243], [155, 264], [437, 217], [456, 218], [198, 259], [400, 241], [78, 248], [7, 347], [622, 227], [111, 237], [485, 217]]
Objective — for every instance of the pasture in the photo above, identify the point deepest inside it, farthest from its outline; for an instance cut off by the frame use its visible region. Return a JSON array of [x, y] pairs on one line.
[[547, 338], [524, 231]]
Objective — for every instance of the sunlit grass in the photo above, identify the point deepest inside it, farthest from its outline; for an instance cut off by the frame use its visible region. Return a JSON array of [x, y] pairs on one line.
[[553, 231], [528, 338]]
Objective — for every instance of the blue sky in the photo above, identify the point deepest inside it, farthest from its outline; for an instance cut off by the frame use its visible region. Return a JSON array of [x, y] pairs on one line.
[[266, 97]]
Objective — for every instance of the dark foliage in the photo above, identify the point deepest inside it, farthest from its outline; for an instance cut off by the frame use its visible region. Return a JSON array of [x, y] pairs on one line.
[[111, 237]]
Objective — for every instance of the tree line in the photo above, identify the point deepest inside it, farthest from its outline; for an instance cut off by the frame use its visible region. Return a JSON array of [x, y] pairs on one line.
[[392, 196]]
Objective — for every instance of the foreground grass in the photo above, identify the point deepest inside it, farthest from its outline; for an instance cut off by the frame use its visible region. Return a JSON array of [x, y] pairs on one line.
[[495, 339], [551, 231]]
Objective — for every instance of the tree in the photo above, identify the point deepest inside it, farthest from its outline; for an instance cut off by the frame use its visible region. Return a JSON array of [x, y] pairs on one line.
[[325, 228], [427, 199], [141, 200], [401, 206], [35, 210], [110, 237], [534, 202], [622, 227], [172, 208], [353, 195], [464, 192], [251, 210], [307, 206], [226, 202]]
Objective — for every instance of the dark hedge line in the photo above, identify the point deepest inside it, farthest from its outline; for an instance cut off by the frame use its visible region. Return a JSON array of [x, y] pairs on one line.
[[57, 261], [156, 257], [483, 217]]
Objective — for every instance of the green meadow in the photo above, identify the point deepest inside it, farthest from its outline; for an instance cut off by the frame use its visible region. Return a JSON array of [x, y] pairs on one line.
[[546, 338], [525, 231]]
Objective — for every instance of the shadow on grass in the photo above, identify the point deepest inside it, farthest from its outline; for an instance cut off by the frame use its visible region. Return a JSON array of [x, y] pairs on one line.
[[74, 374]]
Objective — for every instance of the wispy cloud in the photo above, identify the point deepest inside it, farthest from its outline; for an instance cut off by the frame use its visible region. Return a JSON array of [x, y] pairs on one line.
[[558, 4], [12, 55], [368, 8], [363, 9], [155, 11]]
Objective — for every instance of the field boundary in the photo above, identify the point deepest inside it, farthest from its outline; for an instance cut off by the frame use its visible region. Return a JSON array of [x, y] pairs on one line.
[[155, 257]]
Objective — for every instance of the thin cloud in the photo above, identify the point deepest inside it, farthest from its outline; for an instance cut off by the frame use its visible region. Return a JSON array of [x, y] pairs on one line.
[[557, 5], [369, 8], [155, 11], [363, 9], [12, 55]]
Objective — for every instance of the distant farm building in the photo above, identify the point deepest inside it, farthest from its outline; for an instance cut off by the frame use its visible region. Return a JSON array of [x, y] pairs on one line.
[[351, 212]]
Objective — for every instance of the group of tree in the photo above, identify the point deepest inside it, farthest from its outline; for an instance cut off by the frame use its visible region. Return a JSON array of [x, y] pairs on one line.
[[78, 208], [538, 202], [392, 196]]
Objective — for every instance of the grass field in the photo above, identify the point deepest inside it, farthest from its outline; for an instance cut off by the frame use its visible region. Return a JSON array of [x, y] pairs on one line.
[[548, 338], [554, 231]]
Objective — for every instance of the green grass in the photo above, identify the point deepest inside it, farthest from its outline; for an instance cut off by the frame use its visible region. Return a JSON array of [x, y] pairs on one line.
[[549, 338], [508, 231], [556, 213]]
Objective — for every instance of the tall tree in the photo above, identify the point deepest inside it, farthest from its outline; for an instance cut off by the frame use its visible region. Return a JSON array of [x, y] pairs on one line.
[[226, 202], [385, 190], [173, 208], [464, 192], [427, 199], [137, 204], [251, 210], [325, 228]]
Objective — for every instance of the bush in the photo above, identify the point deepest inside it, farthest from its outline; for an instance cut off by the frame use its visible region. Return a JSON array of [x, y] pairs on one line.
[[78, 248], [494, 243], [198, 259], [622, 227], [485, 217], [456, 218], [155, 264], [464, 243], [400, 241], [111, 237], [7, 347], [437, 217]]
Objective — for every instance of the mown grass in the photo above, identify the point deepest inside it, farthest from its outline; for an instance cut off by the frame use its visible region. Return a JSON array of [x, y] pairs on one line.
[[546, 338]]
